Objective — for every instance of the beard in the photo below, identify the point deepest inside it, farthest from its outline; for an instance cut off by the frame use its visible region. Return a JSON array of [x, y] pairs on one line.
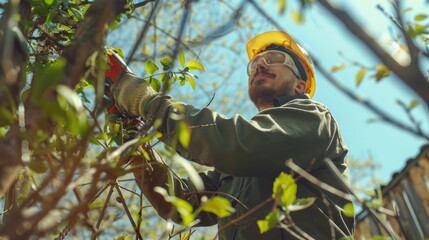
[[261, 94]]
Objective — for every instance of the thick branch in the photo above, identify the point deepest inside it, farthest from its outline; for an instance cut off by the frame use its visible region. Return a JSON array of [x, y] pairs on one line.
[[411, 74], [90, 37]]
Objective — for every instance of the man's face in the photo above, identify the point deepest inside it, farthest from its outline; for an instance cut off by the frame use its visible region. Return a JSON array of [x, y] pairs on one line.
[[269, 81]]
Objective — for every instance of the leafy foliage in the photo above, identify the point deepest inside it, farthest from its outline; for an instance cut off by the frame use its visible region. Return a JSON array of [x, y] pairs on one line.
[[285, 201]]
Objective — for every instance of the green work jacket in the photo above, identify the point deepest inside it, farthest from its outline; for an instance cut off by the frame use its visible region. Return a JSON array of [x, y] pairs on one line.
[[247, 155]]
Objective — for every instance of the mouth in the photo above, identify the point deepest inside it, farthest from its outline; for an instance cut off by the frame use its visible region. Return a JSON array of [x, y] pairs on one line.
[[262, 75]]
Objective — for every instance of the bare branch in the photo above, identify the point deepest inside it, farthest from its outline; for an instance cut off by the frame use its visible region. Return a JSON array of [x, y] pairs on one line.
[[411, 75], [143, 31], [378, 111]]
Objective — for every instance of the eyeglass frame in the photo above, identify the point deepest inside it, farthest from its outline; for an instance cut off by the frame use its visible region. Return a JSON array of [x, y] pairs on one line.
[[287, 62]]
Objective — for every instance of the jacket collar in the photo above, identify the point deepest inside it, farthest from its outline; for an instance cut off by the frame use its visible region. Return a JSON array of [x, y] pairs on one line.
[[279, 101]]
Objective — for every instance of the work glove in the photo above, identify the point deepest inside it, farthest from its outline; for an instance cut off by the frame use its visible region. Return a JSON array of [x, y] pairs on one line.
[[129, 92]]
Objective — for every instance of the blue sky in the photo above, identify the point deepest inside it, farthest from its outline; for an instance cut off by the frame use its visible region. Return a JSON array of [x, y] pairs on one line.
[[324, 38]]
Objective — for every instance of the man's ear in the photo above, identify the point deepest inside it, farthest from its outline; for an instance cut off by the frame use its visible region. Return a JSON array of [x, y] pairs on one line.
[[300, 87]]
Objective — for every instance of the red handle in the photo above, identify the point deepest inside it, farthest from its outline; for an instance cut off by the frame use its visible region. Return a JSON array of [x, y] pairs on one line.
[[117, 67]]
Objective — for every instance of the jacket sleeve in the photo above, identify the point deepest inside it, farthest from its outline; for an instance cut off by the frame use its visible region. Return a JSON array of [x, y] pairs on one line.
[[154, 173], [301, 130]]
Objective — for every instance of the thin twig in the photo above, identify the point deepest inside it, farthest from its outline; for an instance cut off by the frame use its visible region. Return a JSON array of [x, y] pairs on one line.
[[369, 105], [127, 211], [143, 31]]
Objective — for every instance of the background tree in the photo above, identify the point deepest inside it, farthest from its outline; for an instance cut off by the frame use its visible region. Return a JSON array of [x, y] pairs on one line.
[[58, 172]]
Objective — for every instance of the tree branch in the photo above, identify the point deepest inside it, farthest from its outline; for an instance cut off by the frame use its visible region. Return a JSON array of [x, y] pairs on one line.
[[411, 75], [383, 115], [89, 38]]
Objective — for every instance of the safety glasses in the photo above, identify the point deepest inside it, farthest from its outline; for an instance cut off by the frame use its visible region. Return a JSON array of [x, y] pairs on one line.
[[272, 57]]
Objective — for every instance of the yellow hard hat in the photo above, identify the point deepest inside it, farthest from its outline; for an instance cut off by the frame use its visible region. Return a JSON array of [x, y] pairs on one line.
[[287, 44]]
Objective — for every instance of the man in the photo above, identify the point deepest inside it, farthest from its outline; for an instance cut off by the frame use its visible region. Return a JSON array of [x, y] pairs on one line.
[[247, 155]]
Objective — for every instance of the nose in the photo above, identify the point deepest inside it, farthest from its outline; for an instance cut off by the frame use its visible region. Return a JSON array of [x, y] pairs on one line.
[[259, 65]]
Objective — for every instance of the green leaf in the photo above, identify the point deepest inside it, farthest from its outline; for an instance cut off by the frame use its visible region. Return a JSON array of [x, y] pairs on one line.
[[124, 236], [75, 117], [219, 206], [338, 67], [183, 207], [282, 6], [413, 104], [182, 58], [408, 9], [76, 13], [284, 189], [270, 221], [71, 97], [420, 17], [360, 75], [150, 67], [349, 210], [166, 63], [301, 204], [45, 78], [298, 17], [194, 65], [48, 2], [184, 134], [155, 84], [381, 72], [190, 79]]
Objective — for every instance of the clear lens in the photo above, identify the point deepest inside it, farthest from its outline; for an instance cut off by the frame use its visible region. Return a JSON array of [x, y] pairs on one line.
[[272, 57]]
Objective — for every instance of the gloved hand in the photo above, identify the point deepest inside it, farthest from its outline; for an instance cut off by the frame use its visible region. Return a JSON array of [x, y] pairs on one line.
[[130, 93]]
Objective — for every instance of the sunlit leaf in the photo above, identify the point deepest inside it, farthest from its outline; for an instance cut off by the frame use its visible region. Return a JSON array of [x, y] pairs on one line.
[[420, 17], [360, 75], [420, 29], [282, 6], [191, 80], [185, 210], [194, 65], [338, 67], [184, 134], [150, 67], [413, 104], [191, 172], [155, 84], [182, 58], [284, 189], [408, 9], [300, 204], [297, 17], [183, 207], [349, 210], [166, 63], [124, 236], [270, 221], [76, 13], [219, 206], [48, 2], [381, 72], [71, 97]]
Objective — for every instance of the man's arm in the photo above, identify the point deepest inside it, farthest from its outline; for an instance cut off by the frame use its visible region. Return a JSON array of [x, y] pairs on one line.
[[300, 130]]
